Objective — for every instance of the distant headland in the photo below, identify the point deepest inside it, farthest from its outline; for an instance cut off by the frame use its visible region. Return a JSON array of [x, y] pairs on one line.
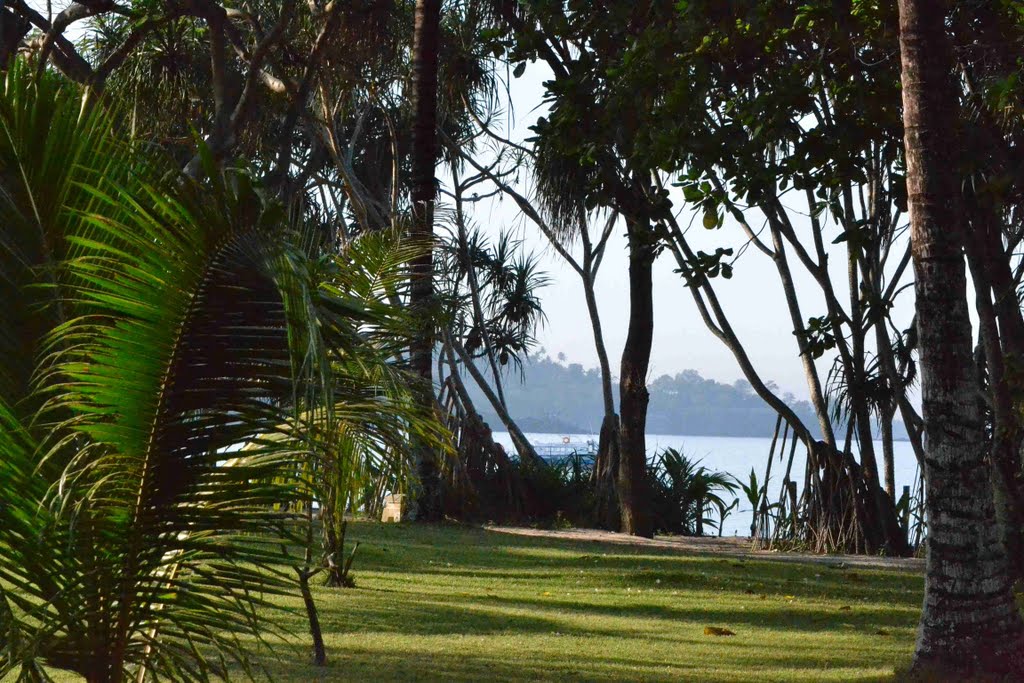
[[554, 397]]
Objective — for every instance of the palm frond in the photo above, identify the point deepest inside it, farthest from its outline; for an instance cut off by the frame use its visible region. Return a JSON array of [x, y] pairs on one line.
[[187, 327], [48, 147]]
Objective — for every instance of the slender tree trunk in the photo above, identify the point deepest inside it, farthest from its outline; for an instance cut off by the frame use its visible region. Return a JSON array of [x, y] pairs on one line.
[[1005, 439], [527, 453], [304, 574], [606, 464], [888, 463], [855, 372], [605, 474], [810, 371], [633, 487], [589, 273], [1008, 432], [424, 151], [970, 624], [885, 526], [884, 352], [319, 654], [474, 291]]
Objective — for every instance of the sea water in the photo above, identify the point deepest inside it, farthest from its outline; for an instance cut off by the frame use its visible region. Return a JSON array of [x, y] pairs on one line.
[[736, 456]]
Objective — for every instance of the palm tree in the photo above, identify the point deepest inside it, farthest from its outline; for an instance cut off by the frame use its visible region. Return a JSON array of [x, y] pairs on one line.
[[361, 447], [155, 325], [971, 624], [689, 492], [425, 49]]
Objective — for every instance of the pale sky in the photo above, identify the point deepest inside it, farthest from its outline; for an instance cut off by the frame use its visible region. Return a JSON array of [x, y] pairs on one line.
[[753, 298]]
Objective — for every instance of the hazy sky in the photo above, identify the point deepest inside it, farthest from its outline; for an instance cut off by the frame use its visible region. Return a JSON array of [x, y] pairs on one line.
[[753, 298]]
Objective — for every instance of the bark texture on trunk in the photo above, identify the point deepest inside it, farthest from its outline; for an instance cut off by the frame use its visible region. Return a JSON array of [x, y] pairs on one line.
[[424, 153], [633, 487], [605, 475], [970, 624]]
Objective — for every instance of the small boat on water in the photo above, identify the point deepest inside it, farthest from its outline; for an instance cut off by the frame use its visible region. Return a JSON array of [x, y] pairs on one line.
[[567, 448]]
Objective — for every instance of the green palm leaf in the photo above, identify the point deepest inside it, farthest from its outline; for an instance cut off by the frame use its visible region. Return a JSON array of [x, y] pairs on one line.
[[48, 147], [171, 323], [189, 325]]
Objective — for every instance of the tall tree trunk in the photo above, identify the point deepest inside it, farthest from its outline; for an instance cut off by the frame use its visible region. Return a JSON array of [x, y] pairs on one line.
[[888, 463], [886, 532], [984, 26], [474, 290], [633, 487], [424, 152], [970, 624]]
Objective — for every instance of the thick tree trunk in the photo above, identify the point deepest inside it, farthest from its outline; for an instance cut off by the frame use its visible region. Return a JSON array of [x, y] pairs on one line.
[[424, 151], [970, 624], [633, 487]]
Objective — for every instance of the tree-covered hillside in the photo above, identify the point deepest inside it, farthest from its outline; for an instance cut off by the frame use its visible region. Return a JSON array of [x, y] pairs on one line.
[[562, 398]]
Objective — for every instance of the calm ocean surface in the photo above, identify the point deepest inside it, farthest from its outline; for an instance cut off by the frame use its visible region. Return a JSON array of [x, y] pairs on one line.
[[736, 456]]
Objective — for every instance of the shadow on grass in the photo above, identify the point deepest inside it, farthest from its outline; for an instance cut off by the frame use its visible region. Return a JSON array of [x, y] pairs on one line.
[[784, 617], [459, 603], [349, 662]]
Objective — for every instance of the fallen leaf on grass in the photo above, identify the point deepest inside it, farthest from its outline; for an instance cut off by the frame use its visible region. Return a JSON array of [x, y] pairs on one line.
[[717, 631]]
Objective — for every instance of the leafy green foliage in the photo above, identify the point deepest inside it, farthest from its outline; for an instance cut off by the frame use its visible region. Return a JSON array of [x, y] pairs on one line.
[[360, 444], [754, 493], [687, 494], [507, 284], [173, 322]]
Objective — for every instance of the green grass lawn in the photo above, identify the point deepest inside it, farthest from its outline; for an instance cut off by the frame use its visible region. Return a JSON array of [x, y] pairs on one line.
[[466, 604]]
